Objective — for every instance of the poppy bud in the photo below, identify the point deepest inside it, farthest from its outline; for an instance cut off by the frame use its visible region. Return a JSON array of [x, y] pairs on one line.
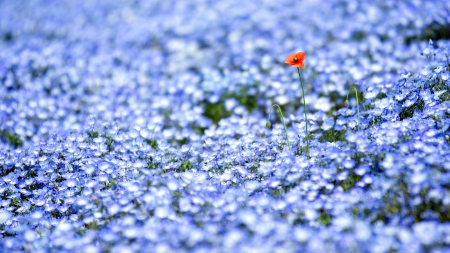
[[268, 124], [346, 102]]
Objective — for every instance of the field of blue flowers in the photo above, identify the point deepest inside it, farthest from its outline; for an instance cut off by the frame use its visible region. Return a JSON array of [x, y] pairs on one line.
[[140, 126]]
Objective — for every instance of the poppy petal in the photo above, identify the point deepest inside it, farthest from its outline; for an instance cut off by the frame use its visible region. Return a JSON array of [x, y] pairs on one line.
[[301, 56], [290, 58], [300, 65]]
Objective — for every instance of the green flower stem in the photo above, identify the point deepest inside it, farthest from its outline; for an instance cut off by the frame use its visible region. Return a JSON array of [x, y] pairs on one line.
[[306, 116], [282, 120], [357, 101]]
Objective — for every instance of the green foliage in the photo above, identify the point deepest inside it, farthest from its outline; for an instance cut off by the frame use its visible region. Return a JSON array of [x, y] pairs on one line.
[[180, 142], [176, 194], [60, 179], [376, 120], [408, 112], [339, 101], [11, 137], [61, 156], [14, 139], [428, 204], [439, 85], [15, 202], [217, 111], [332, 135], [56, 214], [276, 193], [152, 143], [93, 225], [32, 173], [151, 165], [8, 36], [359, 35], [336, 99], [167, 113], [250, 102], [380, 96], [393, 207], [33, 186], [109, 142], [435, 118], [434, 31], [93, 134], [110, 183], [80, 232], [324, 218], [350, 182], [185, 166], [302, 150], [405, 138]]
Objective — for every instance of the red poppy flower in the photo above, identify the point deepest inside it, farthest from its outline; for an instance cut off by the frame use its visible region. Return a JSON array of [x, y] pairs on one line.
[[296, 60]]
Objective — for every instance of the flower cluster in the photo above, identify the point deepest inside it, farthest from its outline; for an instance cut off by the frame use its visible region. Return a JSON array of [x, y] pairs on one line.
[[140, 126]]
